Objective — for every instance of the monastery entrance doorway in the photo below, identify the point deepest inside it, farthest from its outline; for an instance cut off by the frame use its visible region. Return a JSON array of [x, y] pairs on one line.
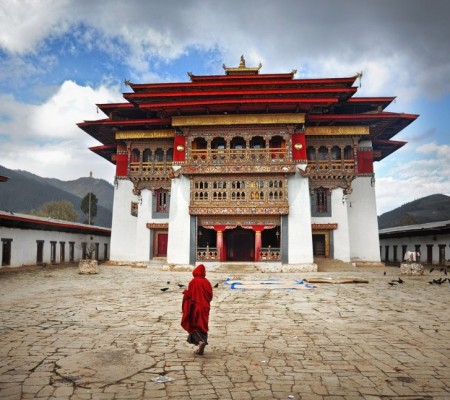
[[160, 244], [319, 248], [240, 244]]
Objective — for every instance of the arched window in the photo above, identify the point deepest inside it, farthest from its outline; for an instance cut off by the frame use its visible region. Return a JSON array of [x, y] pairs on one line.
[[238, 142], [348, 153], [147, 155], [336, 153], [219, 143], [311, 153], [169, 155], [257, 142], [278, 147], [323, 153], [159, 155], [135, 156]]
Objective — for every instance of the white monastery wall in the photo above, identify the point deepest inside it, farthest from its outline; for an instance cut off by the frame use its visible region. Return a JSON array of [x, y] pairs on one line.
[[24, 245], [300, 248], [123, 230], [339, 216], [178, 247], [142, 243], [363, 221], [434, 240]]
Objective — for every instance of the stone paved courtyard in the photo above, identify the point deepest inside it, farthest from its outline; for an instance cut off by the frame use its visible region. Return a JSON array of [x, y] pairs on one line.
[[116, 335]]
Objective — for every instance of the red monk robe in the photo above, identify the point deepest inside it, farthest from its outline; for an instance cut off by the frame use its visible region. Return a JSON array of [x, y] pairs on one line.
[[196, 306]]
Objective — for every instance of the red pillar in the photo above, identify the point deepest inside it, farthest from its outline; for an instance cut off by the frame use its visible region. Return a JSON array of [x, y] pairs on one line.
[[219, 244], [258, 244]]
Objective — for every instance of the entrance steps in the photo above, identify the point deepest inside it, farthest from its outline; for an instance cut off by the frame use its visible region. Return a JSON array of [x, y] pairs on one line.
[[331, 265], [237, 267]]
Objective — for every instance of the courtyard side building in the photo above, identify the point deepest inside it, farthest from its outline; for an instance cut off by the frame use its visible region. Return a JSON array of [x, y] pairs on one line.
[[246, 167]]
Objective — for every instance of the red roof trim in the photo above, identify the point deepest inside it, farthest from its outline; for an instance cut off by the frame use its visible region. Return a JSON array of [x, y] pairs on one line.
[[345, 117], [237, 101], [243, 83], [242, 92], [152, 121], [371, 99]]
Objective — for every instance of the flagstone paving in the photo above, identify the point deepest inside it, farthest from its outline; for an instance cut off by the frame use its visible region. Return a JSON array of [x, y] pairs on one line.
[[116, 335]]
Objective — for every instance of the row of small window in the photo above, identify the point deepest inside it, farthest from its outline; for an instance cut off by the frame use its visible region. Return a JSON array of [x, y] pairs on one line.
[[159, 155], [325, 153], [238, 142], [253, 195], [238, 184]]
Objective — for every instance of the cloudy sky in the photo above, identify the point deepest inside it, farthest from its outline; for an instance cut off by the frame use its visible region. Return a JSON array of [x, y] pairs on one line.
[[59, 58]]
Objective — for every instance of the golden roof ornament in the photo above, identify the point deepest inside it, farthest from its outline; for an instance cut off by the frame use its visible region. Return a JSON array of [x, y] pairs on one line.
[[242, 69]]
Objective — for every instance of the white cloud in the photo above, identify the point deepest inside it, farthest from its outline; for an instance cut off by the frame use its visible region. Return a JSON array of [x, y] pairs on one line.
[[415, 178], [44, 139]]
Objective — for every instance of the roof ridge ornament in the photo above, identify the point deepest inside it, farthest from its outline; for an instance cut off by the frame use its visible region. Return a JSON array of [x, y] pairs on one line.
[[359, 75], [242, 69]]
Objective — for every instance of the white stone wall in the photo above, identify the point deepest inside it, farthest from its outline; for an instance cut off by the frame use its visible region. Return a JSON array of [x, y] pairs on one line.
[[363, 221], [24, 245], [433, 239], [123, 230], [339, 216], [300, 248], [178, 246]]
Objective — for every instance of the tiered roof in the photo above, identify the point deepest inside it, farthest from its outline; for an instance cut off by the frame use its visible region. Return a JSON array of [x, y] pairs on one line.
[[325, 102]]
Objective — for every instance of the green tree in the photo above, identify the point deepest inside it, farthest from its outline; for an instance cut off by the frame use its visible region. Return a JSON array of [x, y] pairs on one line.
[[58, 210], [89, 207]]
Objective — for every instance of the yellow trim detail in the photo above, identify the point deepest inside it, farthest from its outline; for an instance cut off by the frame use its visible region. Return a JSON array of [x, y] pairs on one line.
[[238, 119]]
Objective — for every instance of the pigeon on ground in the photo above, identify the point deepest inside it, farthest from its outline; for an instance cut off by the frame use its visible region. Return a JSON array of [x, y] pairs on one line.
[[164, 289], [216, 285], [180, 285]]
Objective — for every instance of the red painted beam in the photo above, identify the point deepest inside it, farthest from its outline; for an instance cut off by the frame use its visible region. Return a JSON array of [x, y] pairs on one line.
[[244, 92], [268, 101]]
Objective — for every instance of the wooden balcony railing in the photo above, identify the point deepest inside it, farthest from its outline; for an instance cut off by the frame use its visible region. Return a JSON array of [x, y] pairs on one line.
[[207, 253], [156, 170], [238, 156], [332, 166]]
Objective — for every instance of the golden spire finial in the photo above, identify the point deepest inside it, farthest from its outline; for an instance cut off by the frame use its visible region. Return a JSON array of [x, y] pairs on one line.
[[242, 63]]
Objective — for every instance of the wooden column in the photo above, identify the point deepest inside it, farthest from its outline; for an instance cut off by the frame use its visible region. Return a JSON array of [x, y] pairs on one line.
[[258, 244], [219, 244]]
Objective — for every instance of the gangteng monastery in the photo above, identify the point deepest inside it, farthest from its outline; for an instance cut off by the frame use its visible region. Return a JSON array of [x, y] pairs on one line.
[[246, 167]]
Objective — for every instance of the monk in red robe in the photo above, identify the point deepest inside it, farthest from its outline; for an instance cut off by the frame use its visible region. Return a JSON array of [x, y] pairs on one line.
[[196, 306]]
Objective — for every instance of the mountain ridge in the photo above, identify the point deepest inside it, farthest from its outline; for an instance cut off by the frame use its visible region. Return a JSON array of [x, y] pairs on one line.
[[25, 191]]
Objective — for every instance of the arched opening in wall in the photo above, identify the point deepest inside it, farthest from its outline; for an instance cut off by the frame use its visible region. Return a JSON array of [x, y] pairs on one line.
[[238, 146], [277, 147], [348, 153], [239, 244], [311, 153], [147, 156], [257, 142], [159, 155], [199, 146], [218, 146], [336, 153], [323, 153], [135, 156], [169, 155]]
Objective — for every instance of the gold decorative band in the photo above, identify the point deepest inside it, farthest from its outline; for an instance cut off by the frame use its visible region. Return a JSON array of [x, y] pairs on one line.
[[238, 119], [337, 130], [146, 134]]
